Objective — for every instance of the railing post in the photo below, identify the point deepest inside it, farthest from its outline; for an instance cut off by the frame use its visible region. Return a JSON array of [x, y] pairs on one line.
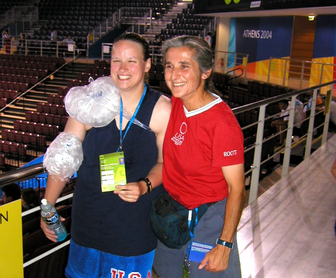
[[284, 74], [321, 78], [245, 75], [257, 156], [310, 133], [288, 149], [327, 115], [302, 74]]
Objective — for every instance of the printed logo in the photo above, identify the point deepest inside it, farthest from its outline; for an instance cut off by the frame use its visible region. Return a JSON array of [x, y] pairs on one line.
[[230, 153], [178, 138]]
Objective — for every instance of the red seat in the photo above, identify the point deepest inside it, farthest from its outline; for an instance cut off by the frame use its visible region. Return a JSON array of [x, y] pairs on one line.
[[41, 140], [45, 130], [53, 109], [24, 125], [4, 134], [22, 150], [46, 107], [50, 119], [5, 147], [35, 116], [17, 124], [18, 136], [26, 137], [14, 148], [38, 128], [39, 107], [61, 110], [11, 135], [42, 117], [31, 127], [29, 115], [57, 120]]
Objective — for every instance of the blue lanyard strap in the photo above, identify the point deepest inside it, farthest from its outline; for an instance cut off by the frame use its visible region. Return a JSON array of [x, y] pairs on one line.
[[131, 120], [191, 231]]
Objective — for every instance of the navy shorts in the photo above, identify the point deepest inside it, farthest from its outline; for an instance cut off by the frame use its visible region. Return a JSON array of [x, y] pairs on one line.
[[168, 262], [88, 262]]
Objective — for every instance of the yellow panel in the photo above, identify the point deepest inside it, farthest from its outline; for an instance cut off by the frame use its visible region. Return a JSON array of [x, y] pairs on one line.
[[11, 254]]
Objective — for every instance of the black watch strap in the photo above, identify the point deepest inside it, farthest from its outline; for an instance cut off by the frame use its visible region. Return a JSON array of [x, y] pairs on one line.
[[224, 243], [148, 183]]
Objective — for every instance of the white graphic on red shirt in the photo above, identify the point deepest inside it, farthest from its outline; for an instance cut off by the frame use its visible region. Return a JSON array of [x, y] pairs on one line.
[[178, 138]]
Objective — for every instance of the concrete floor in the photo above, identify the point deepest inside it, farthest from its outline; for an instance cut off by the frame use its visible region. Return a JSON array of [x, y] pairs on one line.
[[289, 230]]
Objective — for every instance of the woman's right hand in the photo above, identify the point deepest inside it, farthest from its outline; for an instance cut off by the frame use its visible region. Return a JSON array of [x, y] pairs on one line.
[[48, 233]]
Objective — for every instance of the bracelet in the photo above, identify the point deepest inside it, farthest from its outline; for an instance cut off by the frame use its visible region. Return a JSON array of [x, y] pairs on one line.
[[148, 183]]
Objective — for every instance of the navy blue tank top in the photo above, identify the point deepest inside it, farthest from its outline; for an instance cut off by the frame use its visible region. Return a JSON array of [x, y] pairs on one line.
[[102, 220]]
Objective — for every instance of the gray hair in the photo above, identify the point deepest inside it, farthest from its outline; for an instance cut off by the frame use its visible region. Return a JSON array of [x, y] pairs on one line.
[[202, 54]]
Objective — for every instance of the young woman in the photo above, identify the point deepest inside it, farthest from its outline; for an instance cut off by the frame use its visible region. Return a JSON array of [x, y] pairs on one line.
[[110, 231], [203, 163]]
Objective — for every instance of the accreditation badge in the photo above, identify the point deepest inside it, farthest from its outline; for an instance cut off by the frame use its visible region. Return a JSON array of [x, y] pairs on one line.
[[112, 171]]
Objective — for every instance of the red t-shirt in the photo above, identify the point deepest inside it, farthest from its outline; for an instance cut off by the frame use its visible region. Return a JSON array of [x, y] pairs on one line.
[[197, 145]]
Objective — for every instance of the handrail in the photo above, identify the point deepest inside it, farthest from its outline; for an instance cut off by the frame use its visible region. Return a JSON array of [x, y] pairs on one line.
[[21, 174]]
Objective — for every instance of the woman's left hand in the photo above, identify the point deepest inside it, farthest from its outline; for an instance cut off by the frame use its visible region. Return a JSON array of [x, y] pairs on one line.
[[216, 260], [130, 192]]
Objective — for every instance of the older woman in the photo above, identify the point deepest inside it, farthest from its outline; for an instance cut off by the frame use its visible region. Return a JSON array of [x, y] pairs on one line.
[[203, 163]]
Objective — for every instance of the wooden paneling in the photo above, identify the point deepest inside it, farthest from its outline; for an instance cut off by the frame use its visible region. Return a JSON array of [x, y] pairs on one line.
[[302, 46]]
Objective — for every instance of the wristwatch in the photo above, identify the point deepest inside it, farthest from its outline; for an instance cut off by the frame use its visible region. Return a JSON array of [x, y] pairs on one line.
[[224, 243]]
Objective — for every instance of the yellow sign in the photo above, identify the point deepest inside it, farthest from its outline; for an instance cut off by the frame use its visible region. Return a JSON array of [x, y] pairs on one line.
[[11, 254]]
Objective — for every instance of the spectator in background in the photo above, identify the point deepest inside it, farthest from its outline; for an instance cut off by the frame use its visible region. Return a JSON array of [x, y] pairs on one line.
[[208, 39], [29, 199], [280, 123], [22, 41], [333, 114], [7, 41], [53, 35], [11, 192]]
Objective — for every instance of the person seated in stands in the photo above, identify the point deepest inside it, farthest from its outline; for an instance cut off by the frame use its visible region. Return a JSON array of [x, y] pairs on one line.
[[332, 123], [281, 123], [11, 192], [68, 39], [319, 102], [22, 42], [29, 199]]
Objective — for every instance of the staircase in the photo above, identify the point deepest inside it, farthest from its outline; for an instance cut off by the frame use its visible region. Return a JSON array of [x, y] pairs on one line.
[[39, 94]]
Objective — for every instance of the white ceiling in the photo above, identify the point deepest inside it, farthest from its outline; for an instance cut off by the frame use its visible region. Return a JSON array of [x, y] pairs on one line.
[[283, 12]]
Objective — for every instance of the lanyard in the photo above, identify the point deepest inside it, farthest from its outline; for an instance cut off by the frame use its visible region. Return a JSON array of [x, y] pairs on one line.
[[192, 234], [131, 120]]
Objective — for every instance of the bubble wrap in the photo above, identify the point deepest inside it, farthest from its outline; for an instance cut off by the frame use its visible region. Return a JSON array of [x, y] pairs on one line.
[[95, 104], [64, 156]]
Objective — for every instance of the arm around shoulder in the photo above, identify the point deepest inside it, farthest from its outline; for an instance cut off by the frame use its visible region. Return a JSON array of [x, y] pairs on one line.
[[158, 125]]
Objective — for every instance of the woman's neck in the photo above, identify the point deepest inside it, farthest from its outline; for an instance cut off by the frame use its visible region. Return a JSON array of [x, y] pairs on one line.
[[131, 99], [198, 101]]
